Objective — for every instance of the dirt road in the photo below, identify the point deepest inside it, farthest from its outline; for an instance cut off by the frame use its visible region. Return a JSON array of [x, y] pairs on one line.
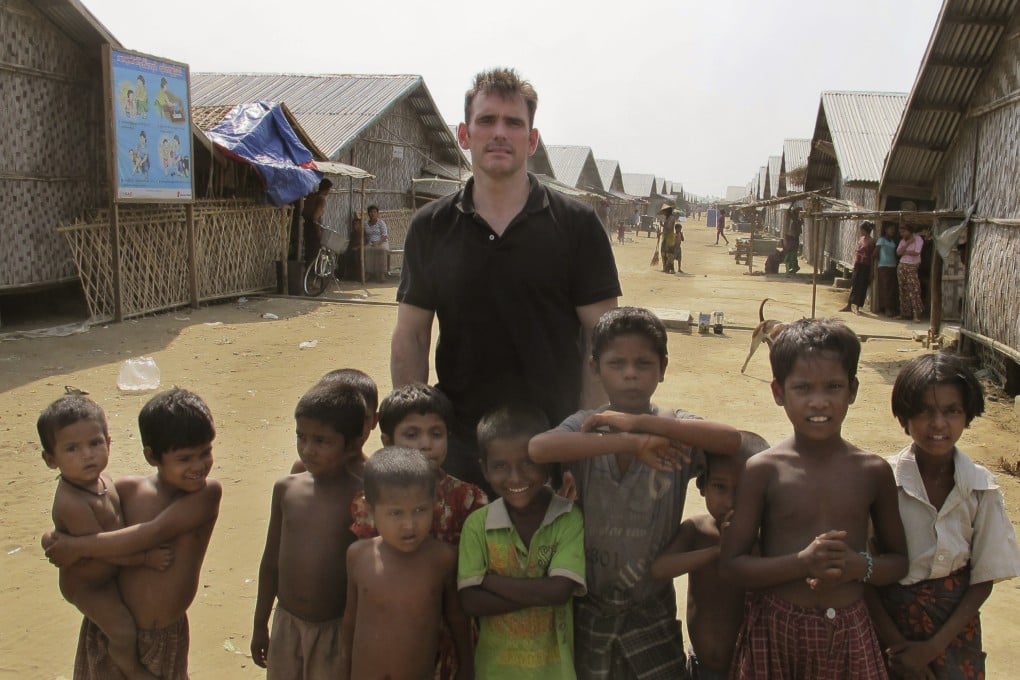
[[252, 372]]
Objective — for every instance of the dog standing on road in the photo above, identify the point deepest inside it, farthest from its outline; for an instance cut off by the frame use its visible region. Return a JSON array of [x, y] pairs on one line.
[[766, 331]]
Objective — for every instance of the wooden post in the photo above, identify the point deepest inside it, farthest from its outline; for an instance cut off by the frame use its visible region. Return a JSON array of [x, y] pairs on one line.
[[364, 223], [935, 288], [192, 255], [118, 296], [814, 261], [111, 176]]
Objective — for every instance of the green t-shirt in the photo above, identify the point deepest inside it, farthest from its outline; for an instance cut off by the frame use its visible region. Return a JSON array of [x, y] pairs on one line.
[[536, 643]]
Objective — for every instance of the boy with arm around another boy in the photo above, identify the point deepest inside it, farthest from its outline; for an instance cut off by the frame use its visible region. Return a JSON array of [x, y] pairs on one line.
[[521, 558], [807, 503], [715, 608], [401, 583], [177, 506], [303, 566], [632, 478]]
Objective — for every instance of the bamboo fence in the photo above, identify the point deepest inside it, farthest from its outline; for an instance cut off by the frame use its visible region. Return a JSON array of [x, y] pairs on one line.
[[237, 246]]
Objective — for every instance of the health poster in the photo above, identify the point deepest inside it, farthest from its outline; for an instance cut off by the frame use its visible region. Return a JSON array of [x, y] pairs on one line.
[[152, 139]]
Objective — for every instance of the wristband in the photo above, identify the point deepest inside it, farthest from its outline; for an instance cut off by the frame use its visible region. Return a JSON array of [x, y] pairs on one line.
[[871, 566]]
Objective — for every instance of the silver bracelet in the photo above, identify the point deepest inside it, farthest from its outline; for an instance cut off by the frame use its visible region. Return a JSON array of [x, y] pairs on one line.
[[871, 566]]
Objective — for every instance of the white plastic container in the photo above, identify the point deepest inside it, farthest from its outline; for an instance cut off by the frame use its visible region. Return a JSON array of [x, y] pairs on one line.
[[138, 374]]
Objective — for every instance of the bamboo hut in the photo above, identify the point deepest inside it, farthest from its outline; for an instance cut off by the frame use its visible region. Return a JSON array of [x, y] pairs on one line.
[[621, 209], [52, 163], [853, 134], [958, 148], [773, 218]]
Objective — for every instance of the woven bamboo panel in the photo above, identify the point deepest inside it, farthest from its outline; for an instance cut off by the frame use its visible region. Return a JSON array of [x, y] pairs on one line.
[[237, 246], [993, 288], [397, 222]]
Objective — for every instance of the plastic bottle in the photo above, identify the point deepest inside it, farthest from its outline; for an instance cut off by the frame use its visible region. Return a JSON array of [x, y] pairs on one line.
[[138, 375]]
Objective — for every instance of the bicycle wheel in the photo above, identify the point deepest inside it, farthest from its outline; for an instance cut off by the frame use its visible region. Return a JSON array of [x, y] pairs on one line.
[[317, 275]]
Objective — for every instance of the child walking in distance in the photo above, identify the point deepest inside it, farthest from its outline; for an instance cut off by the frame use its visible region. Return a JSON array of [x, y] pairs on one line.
[[631, 472], [418, 416], [176, 507], [521, 558], [809, 499], [959, 538], [76, 441], [365, 386], [715, 609], [401, 583], [303, 565]]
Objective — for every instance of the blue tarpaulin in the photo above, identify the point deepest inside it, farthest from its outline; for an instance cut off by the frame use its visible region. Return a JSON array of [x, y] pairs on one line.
[[260, 134]]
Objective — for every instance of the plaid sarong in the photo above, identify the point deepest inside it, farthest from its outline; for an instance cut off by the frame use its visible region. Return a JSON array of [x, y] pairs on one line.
[[163, 652], [643, 642], [920, 609], [781, 640]]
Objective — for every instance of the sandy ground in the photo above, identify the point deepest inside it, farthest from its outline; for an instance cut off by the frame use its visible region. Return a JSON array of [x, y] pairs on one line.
[[251, 372]]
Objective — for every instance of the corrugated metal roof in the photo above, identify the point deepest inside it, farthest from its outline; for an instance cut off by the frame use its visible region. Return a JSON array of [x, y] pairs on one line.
[[208, 117], [772, 180], [342, 169], [332, 109], [74, 19], [609, 171], [795, 158], [568, 162], [860, 126], [759, 181], [962, 44], [638, 184]]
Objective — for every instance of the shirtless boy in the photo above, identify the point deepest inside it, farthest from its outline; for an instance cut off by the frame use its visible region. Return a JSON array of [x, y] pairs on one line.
[[177, 506], [303, 567], [715, 609], [810, 497], [75, 440], [402, 582]]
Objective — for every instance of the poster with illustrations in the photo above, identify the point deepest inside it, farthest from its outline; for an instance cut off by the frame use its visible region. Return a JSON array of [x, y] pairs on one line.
[[152, 124]]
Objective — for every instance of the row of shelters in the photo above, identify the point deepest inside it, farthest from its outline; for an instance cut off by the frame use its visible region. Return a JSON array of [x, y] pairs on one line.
[[380, 138], [942, 158]]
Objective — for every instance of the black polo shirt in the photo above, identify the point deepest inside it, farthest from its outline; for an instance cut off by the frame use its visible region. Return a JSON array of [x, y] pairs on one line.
[[508, 327]]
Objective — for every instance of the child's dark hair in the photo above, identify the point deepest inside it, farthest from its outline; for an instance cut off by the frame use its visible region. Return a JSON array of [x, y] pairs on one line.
[[175, 419], [360, 381], [415, 398], [509, 422], [397, 466], [628, 321], [807, 336], [338, 405], [65, 411], [924, 372], [750, 444]]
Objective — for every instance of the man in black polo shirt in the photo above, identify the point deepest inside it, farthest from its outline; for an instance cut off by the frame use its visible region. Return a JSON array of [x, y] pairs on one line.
[[517, 276]]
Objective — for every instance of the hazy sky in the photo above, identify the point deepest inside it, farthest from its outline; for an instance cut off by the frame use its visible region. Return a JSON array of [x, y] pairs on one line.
[[697, 91]]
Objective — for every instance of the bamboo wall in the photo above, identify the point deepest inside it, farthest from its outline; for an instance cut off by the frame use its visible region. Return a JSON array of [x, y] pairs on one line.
[[982, 167], [237, 245], [51, 160]]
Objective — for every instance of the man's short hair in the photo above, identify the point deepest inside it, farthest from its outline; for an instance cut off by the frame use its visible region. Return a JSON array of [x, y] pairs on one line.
[[505, 82], [922, 373], [175, 419], [325, 185], [805, 337], [416, 398], [336, 404], [509, 422], [66, 411], [750, 444], [397, 466], [360, 381], [628, 321], [371, 208]]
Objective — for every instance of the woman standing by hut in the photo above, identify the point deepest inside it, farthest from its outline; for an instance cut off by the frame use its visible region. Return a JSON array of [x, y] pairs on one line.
[[885, 279], [909, 251], [861, 277]]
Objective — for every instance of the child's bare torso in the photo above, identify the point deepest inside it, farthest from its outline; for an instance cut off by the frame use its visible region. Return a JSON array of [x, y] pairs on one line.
[[159, 598], [809, 495], [106, 510], [400, 604], [314, 537], [715, 609]]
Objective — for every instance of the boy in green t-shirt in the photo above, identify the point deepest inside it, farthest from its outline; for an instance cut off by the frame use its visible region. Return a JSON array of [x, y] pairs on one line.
[[521, 558]]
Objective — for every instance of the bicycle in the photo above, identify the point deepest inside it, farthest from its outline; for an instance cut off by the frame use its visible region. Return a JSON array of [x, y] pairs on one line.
[[329, 261]]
